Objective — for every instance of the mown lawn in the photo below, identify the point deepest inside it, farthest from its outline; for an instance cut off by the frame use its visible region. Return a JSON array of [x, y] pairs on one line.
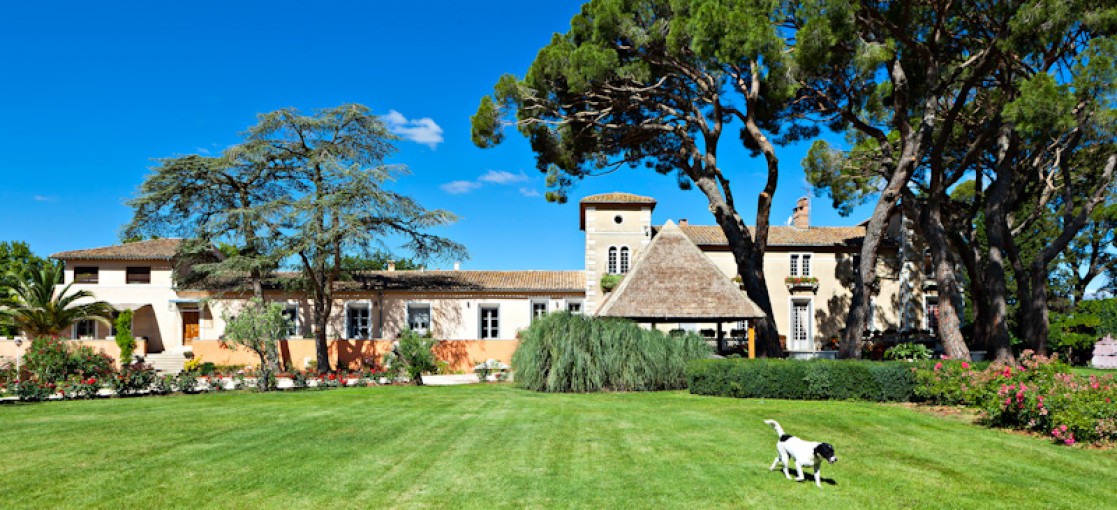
[[500, 447]]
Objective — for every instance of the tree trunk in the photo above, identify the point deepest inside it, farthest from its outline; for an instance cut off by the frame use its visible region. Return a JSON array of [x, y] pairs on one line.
[[946, 280], [1033, 309]]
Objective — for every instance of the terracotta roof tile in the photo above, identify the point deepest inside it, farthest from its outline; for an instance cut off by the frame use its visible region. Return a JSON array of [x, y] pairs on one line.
[[617, 197], [712, 235], [462, 281], [672, 279], [154, 249]]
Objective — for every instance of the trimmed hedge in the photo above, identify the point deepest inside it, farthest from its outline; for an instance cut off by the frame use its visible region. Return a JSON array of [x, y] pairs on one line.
[[803, 379]]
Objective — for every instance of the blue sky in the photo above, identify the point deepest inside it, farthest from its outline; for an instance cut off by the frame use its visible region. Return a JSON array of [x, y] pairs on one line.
[[94, 92]]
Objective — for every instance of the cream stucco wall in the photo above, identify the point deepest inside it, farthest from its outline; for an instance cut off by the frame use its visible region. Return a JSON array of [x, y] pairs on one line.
[[157, 318], [604, 231]]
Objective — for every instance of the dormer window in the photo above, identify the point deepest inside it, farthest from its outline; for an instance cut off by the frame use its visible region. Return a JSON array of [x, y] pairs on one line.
[[85, 274], [138, 275]]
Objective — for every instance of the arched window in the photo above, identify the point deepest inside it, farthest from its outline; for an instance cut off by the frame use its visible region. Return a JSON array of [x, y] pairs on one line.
[[624, 260], [612, 267]]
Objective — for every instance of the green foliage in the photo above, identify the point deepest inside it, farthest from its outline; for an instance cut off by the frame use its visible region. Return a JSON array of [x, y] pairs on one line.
[[124, 338], [133, 379], [1040, 394], [803, 380], [164, 385], [16, 258], [258, 327], [562, 352], [34, 306], [908, 351], [610, 281], [82, 387], [34, 390], [186, 382], [413, 355], [51, 359], [1075, 333]]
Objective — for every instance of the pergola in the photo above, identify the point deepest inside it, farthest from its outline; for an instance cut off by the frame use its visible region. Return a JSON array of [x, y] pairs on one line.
[[671, 280]]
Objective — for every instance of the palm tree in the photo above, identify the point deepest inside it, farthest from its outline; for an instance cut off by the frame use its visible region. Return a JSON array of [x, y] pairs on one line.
[[36, 309]]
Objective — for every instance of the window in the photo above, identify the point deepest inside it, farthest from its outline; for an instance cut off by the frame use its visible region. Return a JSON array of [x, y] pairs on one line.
[[624, 260], [137, 275], [85, 274], [538, 309], [612, 267], [800, 264], [574, 307], [419, 317], [357, 321], [85, 329], [931, 315], [618, 219], [800, 327], [490, 322], [291, 316]]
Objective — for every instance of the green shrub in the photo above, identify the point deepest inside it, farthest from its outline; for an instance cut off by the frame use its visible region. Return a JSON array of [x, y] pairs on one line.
[[414, 355], [610, 281], [82, 387], [133, 379], [34, 390], [163, 385], [124, 339], [562, 352], [908, 351], [186, 382], [803, 380], [54, 360], [1038, 394]]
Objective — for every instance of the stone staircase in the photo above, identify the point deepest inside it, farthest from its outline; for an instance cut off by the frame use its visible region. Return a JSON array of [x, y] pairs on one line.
[[167, 362]]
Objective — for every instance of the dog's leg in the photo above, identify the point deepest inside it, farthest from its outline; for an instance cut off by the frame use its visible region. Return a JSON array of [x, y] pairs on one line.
[[786, 463], [774, 462], [818, 475], [799, 468]]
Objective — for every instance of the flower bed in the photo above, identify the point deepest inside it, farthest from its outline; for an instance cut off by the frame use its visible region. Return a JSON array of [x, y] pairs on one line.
[[1038, 394]]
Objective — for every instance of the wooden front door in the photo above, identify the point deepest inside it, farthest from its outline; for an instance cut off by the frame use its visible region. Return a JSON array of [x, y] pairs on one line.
[[190, 328]]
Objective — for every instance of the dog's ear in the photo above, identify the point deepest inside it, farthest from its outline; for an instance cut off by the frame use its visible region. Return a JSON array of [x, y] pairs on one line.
[[824, 450]]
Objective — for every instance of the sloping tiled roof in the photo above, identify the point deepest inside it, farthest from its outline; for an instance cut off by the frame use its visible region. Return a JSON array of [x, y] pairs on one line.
[[464, 281], [712, 235], [154, 249], [426, 281], [617, 197], [613, 198], [672, 279]]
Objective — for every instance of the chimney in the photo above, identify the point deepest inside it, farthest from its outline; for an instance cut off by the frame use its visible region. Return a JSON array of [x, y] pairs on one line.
[[801, 217], [391, 265], [682, 222], [457, 266]]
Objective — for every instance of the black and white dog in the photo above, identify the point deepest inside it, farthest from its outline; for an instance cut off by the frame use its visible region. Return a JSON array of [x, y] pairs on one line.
[[805, 453]]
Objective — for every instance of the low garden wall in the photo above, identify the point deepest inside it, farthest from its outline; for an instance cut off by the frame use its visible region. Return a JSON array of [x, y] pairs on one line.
[[460, 354]]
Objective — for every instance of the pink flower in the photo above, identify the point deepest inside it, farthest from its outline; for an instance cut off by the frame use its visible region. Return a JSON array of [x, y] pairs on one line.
[[938, 366], [1055, 432], [1063, 428], [1069, 440], [965, 365]]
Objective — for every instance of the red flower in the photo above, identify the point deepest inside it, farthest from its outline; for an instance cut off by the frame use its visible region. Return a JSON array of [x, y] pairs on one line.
[[965, 365]]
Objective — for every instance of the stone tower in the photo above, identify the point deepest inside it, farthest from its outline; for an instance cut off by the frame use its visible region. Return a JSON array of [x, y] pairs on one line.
[[617, 227]]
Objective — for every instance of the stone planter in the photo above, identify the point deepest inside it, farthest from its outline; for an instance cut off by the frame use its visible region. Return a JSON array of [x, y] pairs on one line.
[[977, 355]]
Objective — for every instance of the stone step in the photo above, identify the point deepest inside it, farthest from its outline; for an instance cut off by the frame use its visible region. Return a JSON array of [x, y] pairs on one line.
[[166, 362]]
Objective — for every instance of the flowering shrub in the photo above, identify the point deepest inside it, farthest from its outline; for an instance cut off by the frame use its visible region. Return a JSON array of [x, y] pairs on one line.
[[34, 390], [186, 382], [801, 280], [1038, 395], [133, 379], [82, 387], [163, 385]]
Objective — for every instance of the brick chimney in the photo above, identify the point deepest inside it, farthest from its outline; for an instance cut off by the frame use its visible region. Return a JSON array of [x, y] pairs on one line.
[[801, 217], [391, 265], [683, 222]]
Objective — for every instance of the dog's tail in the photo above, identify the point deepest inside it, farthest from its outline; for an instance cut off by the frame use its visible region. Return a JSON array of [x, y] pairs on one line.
[[776, 425]]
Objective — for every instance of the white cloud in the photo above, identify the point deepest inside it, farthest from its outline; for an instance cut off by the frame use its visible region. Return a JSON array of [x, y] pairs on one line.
[[460, 187], [502, 177], [528, 192], [44, 198], [202, 150], [424, 130]]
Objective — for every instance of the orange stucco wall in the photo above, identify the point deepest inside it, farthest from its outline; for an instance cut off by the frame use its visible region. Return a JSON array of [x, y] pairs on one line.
[[462, 354]]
